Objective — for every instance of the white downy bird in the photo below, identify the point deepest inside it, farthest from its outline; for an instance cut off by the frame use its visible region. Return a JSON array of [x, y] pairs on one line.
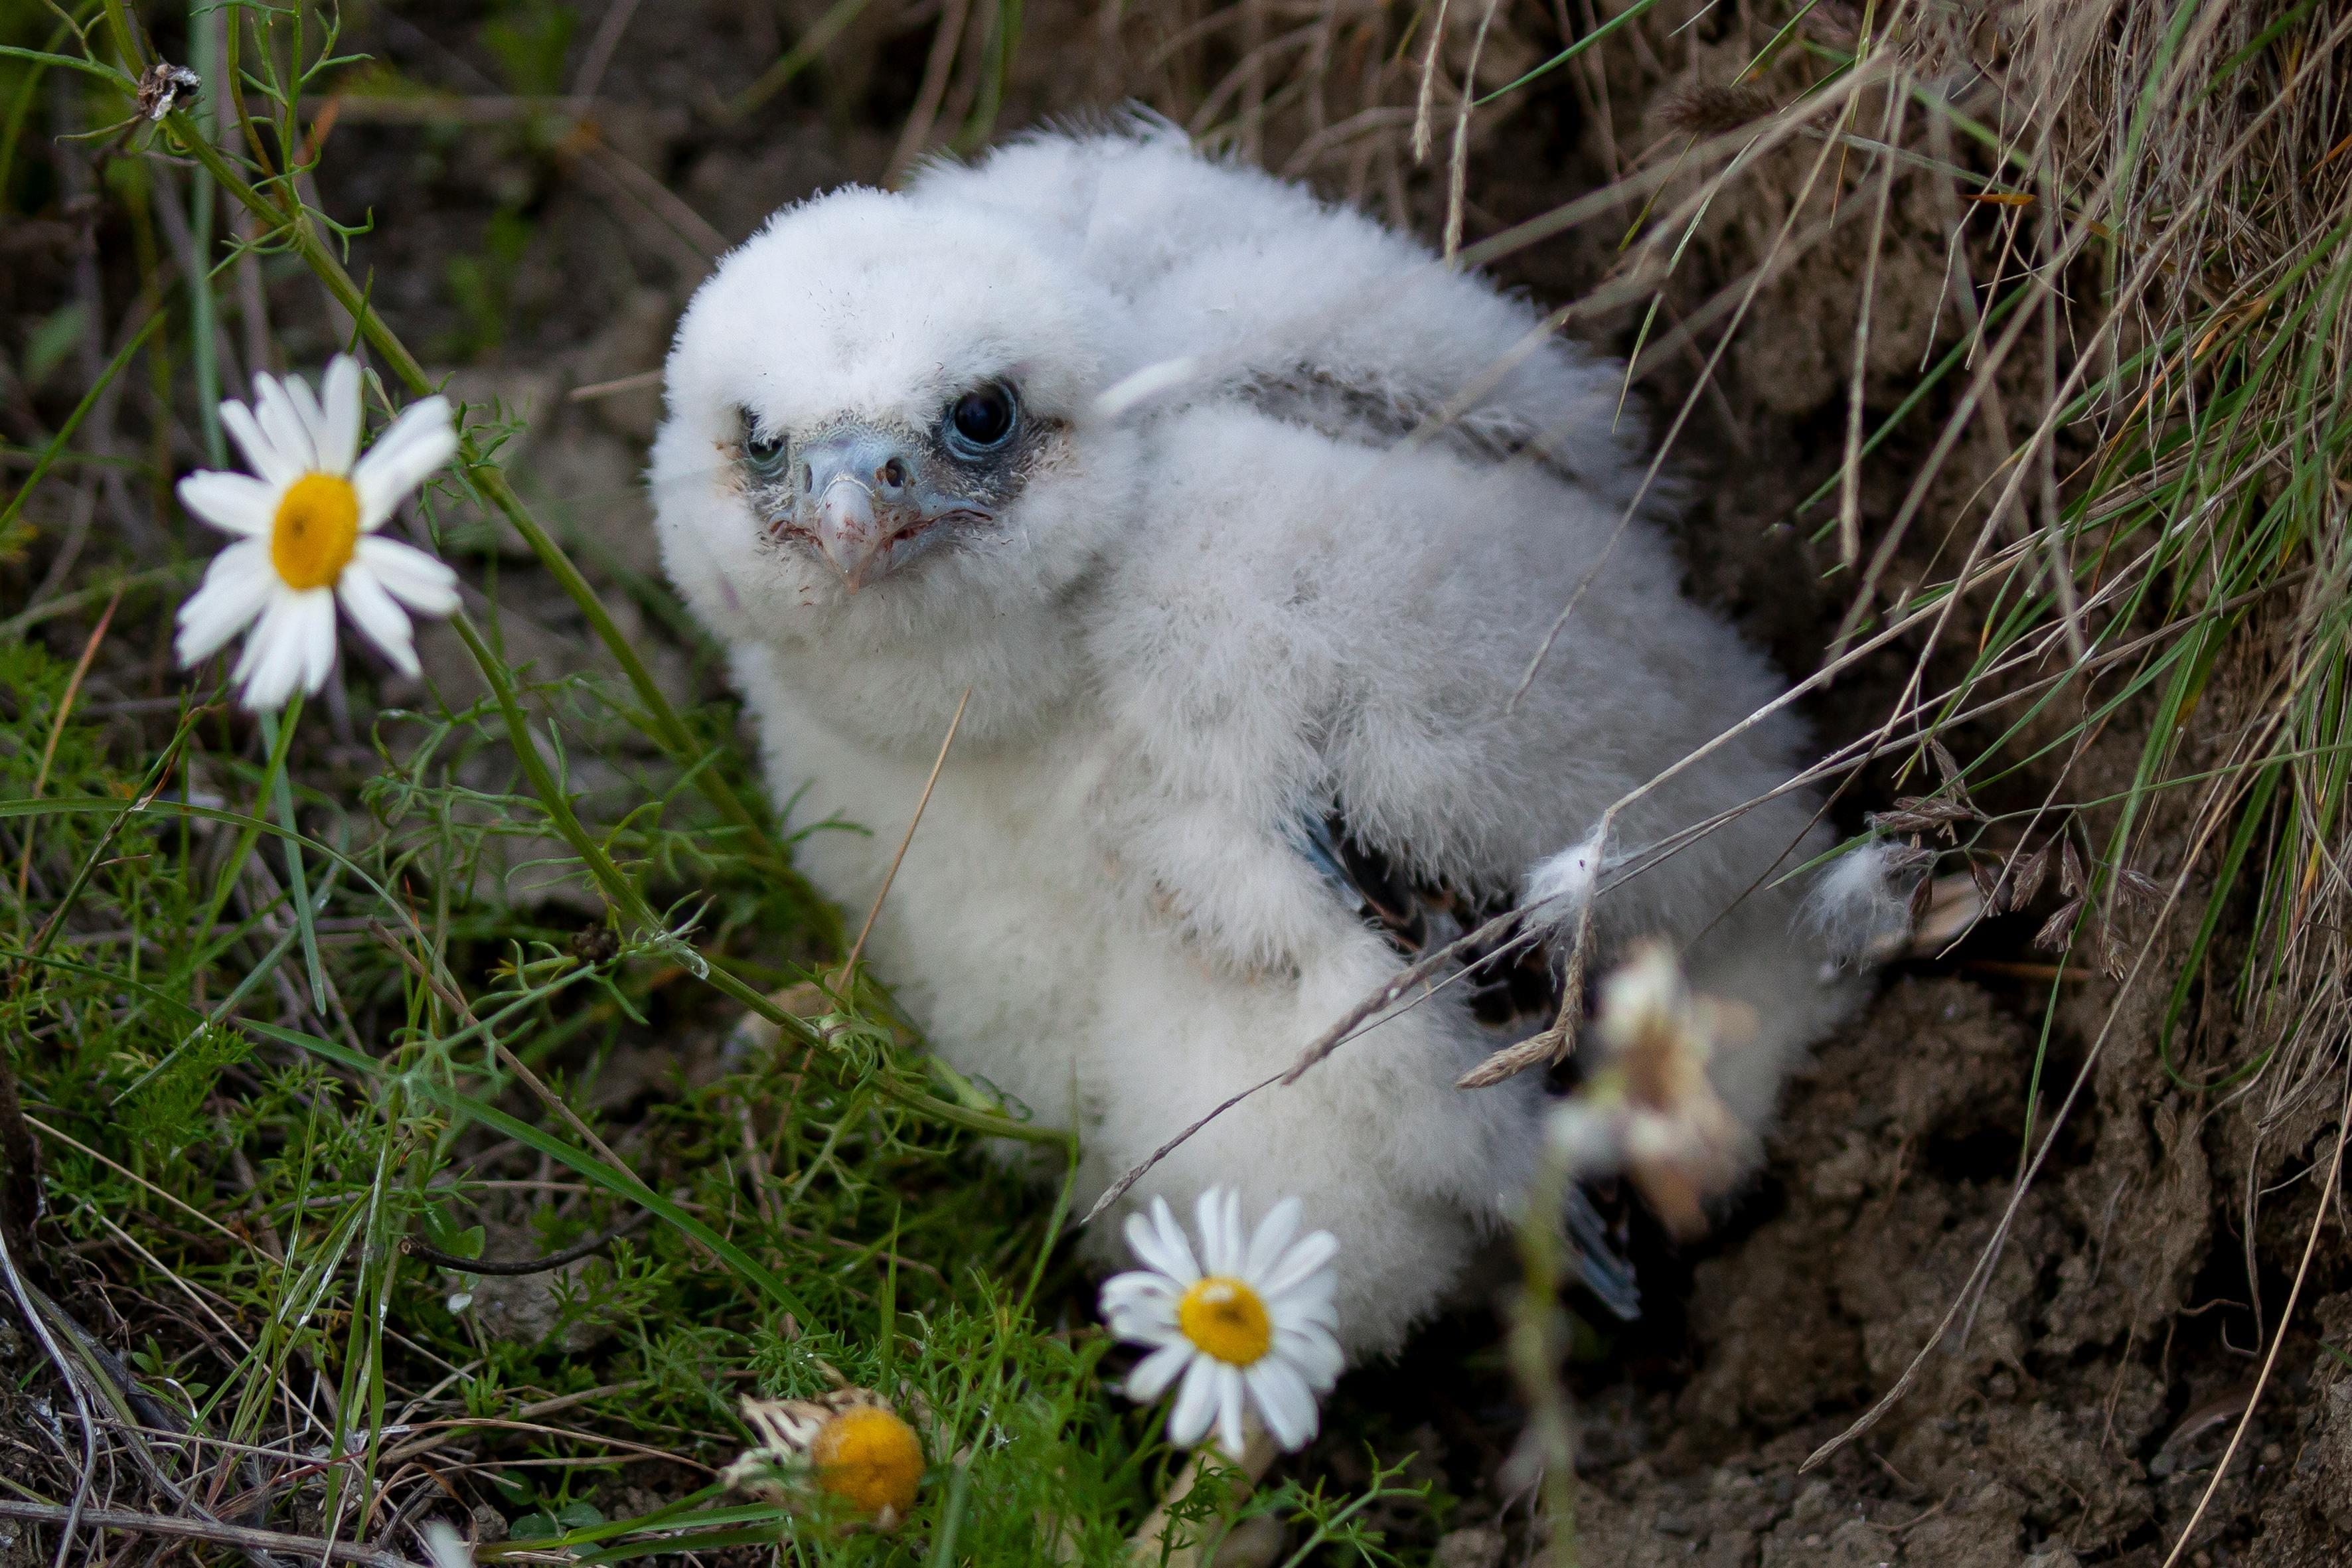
[[1241, 518]]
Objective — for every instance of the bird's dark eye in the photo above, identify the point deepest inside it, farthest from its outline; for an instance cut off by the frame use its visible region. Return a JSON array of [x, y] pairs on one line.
[[763, 455], [981, 420]]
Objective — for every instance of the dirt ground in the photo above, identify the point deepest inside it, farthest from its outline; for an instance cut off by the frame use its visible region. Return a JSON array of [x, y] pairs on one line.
[[2077, 1405]]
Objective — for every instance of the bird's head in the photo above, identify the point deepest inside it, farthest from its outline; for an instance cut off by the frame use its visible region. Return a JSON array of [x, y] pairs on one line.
[[874, 414]]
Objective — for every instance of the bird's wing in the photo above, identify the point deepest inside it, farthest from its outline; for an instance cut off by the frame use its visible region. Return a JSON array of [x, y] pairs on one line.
[[1313, 652], [1508, 990], [1322, 651], [1511, 987], [1248, 287]]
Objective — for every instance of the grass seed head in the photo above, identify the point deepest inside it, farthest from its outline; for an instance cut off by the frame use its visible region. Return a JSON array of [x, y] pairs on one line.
[[1704, 108]]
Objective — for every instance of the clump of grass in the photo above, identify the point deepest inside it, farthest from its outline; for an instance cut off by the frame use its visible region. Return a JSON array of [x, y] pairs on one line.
[[285, 1050], [2155, 556]]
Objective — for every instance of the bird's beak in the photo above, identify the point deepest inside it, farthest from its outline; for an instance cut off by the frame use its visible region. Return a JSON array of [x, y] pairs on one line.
[[865, 496], [847, 531]]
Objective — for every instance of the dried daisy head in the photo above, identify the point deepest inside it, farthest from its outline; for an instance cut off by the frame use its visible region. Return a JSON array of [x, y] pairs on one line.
[[848, 1447], [1650, 1111], [159, 88]]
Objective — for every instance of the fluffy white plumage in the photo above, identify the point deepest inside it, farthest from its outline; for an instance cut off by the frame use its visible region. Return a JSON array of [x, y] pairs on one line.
[[1295, 582]]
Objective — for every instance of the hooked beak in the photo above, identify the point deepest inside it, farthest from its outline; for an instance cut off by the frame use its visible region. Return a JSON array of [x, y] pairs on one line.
[[847, 530], [865, 496]]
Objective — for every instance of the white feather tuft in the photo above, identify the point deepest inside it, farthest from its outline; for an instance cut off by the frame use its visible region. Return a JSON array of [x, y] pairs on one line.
[[1861, 904], [446, 1546], [1144, 386], [1559, 885]]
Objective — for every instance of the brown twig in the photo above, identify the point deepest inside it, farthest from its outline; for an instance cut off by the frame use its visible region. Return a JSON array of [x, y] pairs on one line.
[[945, 40], [204, 1530], [849, 964]]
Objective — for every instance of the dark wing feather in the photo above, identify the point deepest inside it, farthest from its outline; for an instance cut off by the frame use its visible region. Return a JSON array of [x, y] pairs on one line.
[[1315, 398], [1513, 993], [1516, 992]]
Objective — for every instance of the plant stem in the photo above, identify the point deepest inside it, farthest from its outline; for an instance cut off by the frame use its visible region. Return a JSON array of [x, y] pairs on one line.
[[204, 28], [490, 481], [280, 743], [281, 798]]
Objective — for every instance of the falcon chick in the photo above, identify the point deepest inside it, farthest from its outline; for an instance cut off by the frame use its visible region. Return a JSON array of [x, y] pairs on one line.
[[1241, 518]]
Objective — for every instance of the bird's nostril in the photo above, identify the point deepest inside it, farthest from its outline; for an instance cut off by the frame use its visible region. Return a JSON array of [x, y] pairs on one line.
[[893, 474], [808, 479]]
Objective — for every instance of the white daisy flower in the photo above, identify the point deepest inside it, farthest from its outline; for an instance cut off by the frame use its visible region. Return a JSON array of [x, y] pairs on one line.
[[306, 521], [1248, 1323]]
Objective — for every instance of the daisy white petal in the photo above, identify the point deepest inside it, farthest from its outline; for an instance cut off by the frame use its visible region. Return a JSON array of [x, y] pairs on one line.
[[1196, 1403], [1145, 1318], [1231, 1402], [1174, 1239], [338, 425], [264, 638], [415, 579], [1160, 1243], [1143, 1240], [236, 587], [1282, 1396], [235, 503], [1274, 1233], [317, 636], [1301, 1262], [281, 421], [1155, 1372], [1143, 1291], [372, 611], [1310, 1312], [1136, 1284], [1313, 1294], [313, 418], [278, 467], [1174, 1242], [1209, 1217], [1313, 1351], [1237, 1235], [1142, 1325], [423, 438], [271, 667], [1150, 1334]]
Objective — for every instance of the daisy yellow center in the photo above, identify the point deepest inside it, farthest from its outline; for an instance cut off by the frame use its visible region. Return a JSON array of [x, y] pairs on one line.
[[315, 531], [868, 1458], [1226, 1318]]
